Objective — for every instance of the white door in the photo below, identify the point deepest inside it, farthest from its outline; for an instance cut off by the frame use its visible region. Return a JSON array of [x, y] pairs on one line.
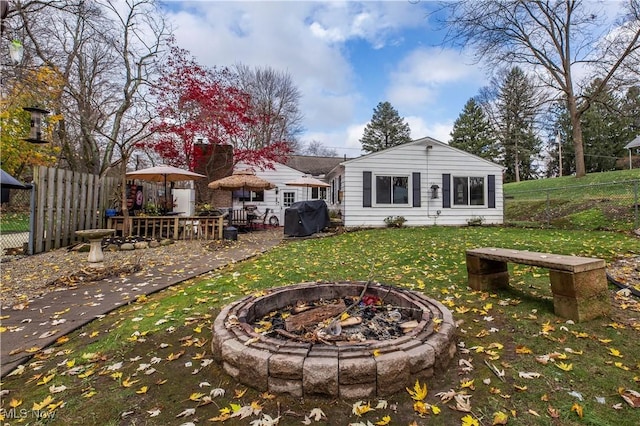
[[288, 198]]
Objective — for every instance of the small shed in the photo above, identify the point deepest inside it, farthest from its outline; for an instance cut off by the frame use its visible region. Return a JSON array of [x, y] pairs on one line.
[[633, 144]]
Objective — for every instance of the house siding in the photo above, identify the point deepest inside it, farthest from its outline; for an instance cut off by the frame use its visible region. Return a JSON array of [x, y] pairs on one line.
[[278, 176], [431, 164]]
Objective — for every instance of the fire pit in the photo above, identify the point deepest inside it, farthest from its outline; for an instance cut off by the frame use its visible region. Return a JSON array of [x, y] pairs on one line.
[[317, 352]]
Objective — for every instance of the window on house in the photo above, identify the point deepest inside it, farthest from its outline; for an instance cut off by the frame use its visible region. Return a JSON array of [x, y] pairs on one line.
[[288, 198], [468, 191], [244, 195], [392, 189], [319, 193]]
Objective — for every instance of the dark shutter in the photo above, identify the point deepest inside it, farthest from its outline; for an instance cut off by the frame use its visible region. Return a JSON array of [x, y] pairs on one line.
[[366, 189], [446, 190], [416, 189], [491, 191]]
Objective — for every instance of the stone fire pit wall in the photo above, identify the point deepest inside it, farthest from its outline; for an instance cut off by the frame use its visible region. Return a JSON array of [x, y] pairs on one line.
[[347, 369]]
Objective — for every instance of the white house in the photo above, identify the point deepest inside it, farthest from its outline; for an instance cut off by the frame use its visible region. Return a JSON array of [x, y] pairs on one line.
[[425, 181], [278, 199]]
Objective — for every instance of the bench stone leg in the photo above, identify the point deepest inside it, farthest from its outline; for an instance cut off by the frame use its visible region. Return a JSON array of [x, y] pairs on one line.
[[580, 296], [487, 275]]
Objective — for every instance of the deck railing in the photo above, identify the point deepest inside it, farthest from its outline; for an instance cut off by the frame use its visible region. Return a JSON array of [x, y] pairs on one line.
[[176, 227]]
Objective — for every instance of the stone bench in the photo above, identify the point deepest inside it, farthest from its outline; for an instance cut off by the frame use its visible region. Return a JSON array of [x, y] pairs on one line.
[[578, 284]]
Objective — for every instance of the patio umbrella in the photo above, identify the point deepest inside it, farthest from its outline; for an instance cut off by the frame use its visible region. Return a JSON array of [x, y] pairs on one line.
[[8, 181], [308, 182], [164, 174], [242, 179]]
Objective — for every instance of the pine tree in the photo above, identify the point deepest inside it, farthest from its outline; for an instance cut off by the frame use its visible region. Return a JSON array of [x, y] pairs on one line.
[[472, 132], [517, 107], [386, 129], [604, 130]]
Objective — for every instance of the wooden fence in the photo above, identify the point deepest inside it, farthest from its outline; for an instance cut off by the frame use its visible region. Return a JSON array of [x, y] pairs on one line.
[[64, 202], [176, 227]]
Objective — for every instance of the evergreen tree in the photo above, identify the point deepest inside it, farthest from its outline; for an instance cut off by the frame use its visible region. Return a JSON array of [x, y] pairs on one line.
[[559, 138], [472, 132], [604, 130], [386, 129], [517, 107]]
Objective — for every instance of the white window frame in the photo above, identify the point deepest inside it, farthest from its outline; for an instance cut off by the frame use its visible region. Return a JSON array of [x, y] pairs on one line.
[[288, 194], [467, 203], [374, 190]]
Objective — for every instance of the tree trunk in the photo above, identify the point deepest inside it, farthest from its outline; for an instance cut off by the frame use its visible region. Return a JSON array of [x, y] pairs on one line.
[[577, 136]]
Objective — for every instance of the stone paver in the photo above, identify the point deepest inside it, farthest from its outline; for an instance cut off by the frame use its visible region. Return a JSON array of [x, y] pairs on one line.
[[40, 324]]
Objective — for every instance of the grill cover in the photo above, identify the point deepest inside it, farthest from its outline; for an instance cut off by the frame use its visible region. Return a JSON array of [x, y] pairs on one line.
[[305, 218]]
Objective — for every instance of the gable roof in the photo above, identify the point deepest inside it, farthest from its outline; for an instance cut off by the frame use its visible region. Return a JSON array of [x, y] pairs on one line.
[[633, 144], [312, 165], [426, 141]]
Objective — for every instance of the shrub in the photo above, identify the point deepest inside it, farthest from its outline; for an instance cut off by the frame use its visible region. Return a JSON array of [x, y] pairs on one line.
[[395, 221]]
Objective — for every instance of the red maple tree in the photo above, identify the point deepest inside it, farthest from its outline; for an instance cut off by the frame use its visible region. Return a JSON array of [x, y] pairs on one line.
[[196, 103]]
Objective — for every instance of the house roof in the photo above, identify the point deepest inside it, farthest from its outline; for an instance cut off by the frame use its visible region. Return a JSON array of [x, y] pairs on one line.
[[312, 165], [633, 144], [423, 141]]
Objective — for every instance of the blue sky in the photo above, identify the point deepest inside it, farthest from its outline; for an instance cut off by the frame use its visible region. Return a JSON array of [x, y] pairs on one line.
[[344, 56]]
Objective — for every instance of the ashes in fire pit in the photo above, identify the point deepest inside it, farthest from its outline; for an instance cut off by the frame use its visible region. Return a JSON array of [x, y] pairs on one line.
[[341, 339], [349, 319]]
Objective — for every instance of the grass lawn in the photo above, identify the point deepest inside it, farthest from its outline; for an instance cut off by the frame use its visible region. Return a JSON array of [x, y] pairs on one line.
[[14, 222], [150, 362]]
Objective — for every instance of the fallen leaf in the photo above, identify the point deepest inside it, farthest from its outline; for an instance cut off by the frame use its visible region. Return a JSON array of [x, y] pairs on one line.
[[468, 420], [418, 393], [317, 414], [500, 418], [577, 408]]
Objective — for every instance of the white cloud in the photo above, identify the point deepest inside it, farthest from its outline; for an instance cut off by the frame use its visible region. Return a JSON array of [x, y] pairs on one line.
[[422, 76], [308, 40], [420, 128]]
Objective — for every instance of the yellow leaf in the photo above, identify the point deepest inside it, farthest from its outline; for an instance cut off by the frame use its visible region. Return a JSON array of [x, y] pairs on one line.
[[614, 352], [89, 394], [39, 406], [384, 421], [71, 363], [418, 393], [577, 408], [467, 384], [94, 334], [469, 421], [239, 393], [15, 403], [621, 366], [376, 352], [86, 374], [359, 408], [500, 418], [421, 408], [173, 357], [62, 339], [435, 409], [46, 379], [116, 375], [196, 396], [520, 388], [564, 366], [522, 350], [142, 390], [547, 327], [344, 316], [127, 383]]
